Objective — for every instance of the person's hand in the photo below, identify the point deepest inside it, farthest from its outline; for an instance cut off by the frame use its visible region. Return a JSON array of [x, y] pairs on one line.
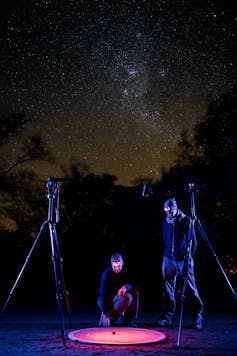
[[122, 290], [104, 320]]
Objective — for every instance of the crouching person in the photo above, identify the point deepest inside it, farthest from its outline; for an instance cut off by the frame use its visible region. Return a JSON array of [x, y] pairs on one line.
[[118, 299]]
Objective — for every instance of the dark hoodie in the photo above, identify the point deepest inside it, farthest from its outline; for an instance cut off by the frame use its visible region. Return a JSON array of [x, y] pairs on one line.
[[177, 232]]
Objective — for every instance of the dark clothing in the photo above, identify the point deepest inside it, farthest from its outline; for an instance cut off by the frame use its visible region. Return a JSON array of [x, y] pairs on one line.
[[108, 299], [171, 270], [177, 234]]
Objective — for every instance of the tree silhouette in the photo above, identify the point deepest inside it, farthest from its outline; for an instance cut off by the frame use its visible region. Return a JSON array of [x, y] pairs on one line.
[[33, 149], [217, 132], [11, 124], [19, 191]]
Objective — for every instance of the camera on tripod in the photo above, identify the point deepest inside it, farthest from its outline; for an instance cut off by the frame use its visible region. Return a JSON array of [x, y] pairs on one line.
[[52, 185]]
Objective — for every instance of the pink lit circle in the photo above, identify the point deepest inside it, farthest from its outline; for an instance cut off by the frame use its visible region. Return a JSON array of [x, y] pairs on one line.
[[116, 336]]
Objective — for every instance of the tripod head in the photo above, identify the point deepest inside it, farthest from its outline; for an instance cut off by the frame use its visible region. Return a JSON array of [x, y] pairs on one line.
[[52, 186], [147, 190], [192, 188]]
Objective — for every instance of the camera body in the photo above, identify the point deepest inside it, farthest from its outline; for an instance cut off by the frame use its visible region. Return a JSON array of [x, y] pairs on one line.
[[52, 185]]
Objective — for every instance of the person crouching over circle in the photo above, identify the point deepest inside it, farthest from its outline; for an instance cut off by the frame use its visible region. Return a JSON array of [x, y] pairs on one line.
[[118, 298]]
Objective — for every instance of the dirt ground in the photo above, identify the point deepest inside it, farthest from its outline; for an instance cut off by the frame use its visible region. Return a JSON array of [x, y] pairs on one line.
[[36, 330]]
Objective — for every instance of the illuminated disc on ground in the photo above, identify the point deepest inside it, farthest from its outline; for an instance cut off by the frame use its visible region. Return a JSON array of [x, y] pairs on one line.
[[116, 336]]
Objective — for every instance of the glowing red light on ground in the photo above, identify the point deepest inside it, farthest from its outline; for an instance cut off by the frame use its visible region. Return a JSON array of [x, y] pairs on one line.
[[116, 336]]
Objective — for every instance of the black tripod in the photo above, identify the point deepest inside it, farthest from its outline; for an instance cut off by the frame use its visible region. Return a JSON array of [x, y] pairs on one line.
[[184, 278], [53, 208], [197, 222]]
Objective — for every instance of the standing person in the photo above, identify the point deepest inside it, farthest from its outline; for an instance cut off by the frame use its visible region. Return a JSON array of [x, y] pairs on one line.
[[118, 299], [178, 230]]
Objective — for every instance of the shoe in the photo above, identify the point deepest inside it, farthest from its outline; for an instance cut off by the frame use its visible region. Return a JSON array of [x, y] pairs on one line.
[[118, 322], [164, 322], [197, 324], [104, 320], [131, 323]]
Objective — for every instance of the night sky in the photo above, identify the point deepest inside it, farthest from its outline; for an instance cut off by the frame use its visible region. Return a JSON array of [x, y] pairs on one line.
[[113, 83]]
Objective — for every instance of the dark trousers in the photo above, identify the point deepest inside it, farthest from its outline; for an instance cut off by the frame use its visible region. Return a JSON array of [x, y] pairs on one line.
[[171, 270], [126, 305]]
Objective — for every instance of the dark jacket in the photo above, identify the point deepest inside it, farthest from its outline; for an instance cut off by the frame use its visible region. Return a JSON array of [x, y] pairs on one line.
[[177, 233], [110, 283]]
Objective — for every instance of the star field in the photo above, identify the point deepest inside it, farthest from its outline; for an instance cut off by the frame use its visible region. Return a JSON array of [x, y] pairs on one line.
[[114, 83]]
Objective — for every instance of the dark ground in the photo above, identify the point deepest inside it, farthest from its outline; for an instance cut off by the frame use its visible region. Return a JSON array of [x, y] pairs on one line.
[[35, 329]]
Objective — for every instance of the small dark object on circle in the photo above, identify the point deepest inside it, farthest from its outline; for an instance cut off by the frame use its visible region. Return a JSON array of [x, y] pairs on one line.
[[114, 332]]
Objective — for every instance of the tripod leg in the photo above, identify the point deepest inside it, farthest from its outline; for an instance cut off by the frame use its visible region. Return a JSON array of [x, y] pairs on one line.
[[55, 259], [181, 319], [28, 258], [62, 279], [204, 235], [183, 295]]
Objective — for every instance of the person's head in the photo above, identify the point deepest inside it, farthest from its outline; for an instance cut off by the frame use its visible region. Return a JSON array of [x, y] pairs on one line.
[[116, 261], [170, 207]]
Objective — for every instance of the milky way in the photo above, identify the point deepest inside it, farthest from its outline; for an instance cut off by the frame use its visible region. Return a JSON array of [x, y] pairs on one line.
[[113, 83]]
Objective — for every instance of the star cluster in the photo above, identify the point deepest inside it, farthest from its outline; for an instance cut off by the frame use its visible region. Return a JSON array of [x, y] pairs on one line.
[[114, 83]]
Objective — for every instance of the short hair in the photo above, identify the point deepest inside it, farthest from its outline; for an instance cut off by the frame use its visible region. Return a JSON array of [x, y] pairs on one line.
[[116, 257], [170, 203]]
